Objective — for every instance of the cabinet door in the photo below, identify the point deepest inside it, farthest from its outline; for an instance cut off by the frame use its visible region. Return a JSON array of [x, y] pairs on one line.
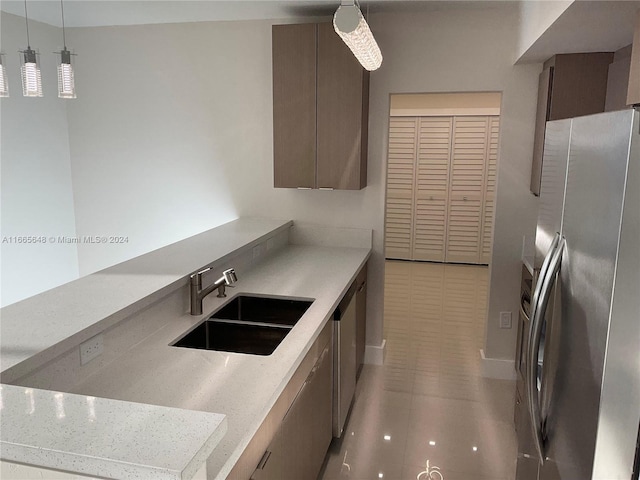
[[294, 105], [464, 219], [300, 444], [400, 185], [272, 463], [306, 430], [431, 188], [340, 105], [542, 115]]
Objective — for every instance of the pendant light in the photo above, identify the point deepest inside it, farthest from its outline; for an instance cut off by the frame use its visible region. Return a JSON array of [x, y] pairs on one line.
[[4, 85], [66, 82], [350, 24], [29, 69]]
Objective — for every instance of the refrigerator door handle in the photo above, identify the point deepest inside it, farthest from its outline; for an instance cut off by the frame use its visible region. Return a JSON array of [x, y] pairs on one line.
[[544, 289], [529, 370]]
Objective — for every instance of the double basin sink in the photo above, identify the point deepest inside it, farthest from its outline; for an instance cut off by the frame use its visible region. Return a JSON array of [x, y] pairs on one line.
[[246, 324]]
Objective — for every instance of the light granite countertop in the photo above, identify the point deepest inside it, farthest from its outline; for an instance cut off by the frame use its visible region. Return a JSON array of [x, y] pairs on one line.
[[91, 436], [241, 387]]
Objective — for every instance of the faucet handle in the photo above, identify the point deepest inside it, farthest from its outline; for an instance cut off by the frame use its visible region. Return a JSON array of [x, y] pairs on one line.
[[196, 278]]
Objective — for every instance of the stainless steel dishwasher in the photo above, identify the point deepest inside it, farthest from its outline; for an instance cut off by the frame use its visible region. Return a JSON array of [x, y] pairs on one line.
[[344, 359]]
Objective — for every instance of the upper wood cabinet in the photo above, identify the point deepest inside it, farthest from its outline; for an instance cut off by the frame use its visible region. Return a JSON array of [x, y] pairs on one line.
[[570, 85], [633, 94], [320, 110]]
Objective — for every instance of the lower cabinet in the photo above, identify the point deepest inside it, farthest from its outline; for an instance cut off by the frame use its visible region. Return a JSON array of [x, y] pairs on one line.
[[299, 446]]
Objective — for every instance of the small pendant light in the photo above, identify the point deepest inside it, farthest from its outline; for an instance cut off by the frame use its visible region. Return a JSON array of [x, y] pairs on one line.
[[29, 69], [4, 85], [66, 82]]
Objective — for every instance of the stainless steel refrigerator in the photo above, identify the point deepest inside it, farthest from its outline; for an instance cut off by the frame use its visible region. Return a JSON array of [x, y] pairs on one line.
[[582, 410]]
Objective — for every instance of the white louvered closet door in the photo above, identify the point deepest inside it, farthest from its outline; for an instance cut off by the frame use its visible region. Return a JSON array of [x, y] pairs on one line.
[[466, 190], [432, 188], [400, 186], [488, 208]]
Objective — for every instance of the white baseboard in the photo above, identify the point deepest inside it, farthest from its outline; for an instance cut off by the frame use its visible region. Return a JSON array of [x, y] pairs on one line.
[[374, 354], [498, 368]]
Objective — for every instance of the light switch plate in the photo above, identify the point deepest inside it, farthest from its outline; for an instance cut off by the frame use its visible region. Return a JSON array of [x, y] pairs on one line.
[[505, 319], [91, 349]]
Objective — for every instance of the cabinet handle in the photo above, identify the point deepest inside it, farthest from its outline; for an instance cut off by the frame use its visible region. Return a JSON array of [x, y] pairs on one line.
[[325, 188], [364, 284], [263, 461], [304, 188]]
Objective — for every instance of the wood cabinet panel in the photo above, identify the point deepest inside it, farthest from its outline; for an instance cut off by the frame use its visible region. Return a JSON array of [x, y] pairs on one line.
[[579, 84], [618, 80], [542, 115], [294, 105], [339, 113], [570, 85], [320, 110]]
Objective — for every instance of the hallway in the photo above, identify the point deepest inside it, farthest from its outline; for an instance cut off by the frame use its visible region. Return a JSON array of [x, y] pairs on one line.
[[427, 408]]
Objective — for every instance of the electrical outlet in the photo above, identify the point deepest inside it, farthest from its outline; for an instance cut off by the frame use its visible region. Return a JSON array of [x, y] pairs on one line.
[[258, 250], [505, 319], [91, 349], [271, 242]]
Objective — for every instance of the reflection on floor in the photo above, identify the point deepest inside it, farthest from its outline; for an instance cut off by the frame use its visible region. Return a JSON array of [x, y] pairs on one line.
[[427, 414]]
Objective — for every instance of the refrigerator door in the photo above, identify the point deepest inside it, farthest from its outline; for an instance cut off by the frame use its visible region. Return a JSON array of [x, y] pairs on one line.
[[550, 206], [618, 431], [591, 224]]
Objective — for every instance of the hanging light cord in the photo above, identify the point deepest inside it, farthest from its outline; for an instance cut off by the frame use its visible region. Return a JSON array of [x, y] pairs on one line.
[[64, 38], [26, 19]]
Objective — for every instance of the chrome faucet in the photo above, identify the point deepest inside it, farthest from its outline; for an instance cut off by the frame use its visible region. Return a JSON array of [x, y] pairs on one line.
[[198, 293]]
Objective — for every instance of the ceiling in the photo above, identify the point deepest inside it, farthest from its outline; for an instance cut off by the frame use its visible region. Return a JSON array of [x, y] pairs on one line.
[[587, 26], [93, 13]]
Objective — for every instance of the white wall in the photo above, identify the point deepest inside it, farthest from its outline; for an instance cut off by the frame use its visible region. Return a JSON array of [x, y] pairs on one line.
[[163, 113], [36, 192], [535, 17]]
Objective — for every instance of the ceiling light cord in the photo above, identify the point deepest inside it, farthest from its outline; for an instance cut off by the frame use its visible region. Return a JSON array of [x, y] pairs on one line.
[[26, 21], [64, 38]]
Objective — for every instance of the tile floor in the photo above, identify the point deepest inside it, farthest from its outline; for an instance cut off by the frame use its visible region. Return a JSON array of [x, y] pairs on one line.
[[427, 414]]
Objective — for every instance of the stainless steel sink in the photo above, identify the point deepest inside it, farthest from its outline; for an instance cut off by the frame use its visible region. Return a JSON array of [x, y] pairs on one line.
[[246, 324], [271, 310], [234, 337]]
